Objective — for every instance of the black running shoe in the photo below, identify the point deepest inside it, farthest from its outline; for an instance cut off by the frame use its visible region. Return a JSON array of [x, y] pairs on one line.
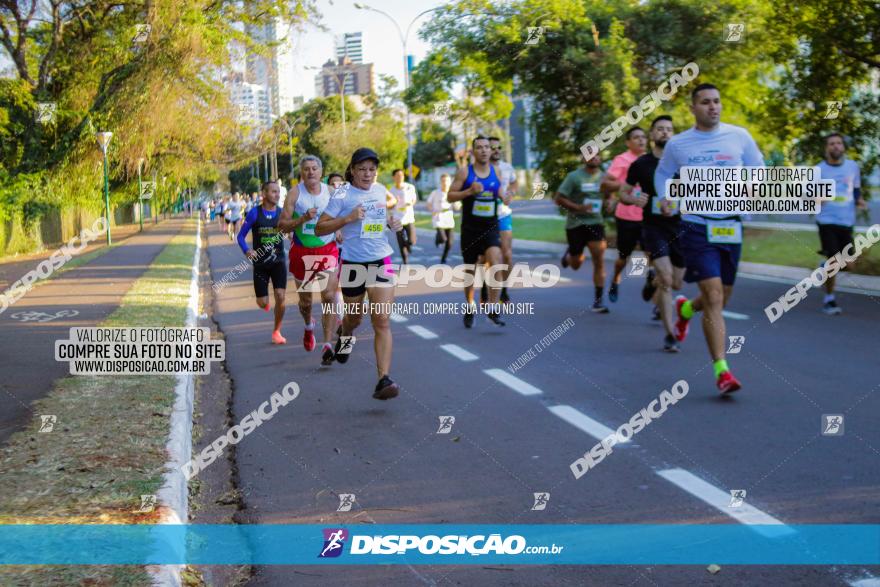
[[650, 288], [469, 315], [599, 307], [495, 318], [327, 356], [670, 345], [386, 389], [612, 293]]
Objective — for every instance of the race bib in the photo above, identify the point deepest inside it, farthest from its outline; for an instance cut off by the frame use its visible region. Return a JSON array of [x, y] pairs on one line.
[[655, 206], [309, 227], [373, 224], [485, 208], [597, 205], [589, 187], [724, 232]]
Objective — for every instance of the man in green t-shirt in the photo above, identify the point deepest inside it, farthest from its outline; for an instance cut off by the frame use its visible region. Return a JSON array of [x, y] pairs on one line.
[[580, 197]]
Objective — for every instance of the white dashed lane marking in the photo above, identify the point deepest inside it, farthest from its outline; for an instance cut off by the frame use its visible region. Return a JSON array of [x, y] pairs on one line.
[[514, 383], [458, 352], [422, 332]]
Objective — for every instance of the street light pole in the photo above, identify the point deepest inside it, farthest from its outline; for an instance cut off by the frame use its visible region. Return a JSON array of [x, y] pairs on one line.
[[140, 194], [403, 40], [104, 142]]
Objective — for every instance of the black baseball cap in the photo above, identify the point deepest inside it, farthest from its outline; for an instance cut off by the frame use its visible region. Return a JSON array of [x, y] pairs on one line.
[[363, 154]]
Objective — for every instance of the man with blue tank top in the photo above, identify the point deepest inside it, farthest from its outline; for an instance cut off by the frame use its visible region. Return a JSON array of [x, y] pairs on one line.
[[478, 188], [267, 254], [837, 217], [711, 243], [313, 258]]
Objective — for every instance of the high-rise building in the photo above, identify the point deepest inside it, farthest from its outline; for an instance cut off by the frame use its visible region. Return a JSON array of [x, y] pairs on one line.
[[251, 102], [350, 45], [275, 69], [522, 134], [357, 78]]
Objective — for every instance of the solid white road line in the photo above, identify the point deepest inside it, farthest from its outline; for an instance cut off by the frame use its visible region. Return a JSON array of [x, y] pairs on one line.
[[720, 500], [585, 423], [734, 315], [458, 352], [423, 332], [514, 383], [398, 318]]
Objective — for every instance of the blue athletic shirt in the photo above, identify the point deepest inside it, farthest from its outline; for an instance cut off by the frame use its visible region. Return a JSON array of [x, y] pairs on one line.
[[847, 184], [249, 222], [726, 146], [480, 210]]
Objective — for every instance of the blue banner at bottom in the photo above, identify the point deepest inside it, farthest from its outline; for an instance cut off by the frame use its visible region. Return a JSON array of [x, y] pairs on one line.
[[454, 544]]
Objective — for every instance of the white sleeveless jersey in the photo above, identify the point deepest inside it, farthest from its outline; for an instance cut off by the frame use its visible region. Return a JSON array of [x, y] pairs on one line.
[[306, 201]]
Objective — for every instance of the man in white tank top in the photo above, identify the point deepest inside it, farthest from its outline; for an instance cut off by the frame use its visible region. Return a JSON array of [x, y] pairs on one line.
[[313, 259]]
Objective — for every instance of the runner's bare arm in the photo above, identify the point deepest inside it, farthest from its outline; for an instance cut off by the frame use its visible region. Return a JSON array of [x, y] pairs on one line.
[[286, 222], [507, 196], [609, 184], [455, 193], [564, 202], [327, 224], [626, 194]]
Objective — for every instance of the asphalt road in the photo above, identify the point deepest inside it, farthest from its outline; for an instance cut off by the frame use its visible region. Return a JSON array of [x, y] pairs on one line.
[[510, 440]]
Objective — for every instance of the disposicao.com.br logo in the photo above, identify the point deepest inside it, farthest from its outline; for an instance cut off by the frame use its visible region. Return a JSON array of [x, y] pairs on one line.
[[480, 544]]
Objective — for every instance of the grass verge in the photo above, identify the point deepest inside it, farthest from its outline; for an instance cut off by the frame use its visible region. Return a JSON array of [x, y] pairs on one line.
[[108, 445], [794, 248]]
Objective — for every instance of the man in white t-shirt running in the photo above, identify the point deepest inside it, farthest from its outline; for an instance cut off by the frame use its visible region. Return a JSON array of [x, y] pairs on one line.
[[404, 211], [442, 218], [505, 213]]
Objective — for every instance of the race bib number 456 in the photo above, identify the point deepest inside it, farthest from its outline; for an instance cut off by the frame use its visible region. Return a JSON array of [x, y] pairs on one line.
[[373, 224]]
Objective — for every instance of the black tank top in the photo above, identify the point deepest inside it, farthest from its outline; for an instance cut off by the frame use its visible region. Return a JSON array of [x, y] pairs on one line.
[[268, 242]]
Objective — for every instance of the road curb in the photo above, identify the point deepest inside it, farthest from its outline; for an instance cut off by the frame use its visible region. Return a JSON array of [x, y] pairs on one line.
[[174, 493]]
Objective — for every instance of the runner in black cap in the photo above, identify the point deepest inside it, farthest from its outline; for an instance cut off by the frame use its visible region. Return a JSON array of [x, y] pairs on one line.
[[359, 210]]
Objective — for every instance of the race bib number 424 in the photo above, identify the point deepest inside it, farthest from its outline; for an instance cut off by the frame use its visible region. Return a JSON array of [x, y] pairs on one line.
[[725, 232]]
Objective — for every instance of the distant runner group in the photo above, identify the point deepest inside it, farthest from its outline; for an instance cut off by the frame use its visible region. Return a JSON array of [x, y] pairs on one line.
[[339, 249]]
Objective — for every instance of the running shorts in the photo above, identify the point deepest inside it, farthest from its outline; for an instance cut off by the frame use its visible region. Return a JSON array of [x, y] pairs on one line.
[[579, 236], [276, 272], [306, 262], [354, 282], [474, 242], [505, 223], [834, 238], [705, 260], [663, 241], [629, 234]]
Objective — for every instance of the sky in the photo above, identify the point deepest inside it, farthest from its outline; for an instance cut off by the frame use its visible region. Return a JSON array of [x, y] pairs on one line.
[[381, 42]]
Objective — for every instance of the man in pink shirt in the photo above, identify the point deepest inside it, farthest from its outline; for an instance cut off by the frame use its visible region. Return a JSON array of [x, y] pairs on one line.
[[628, 217]]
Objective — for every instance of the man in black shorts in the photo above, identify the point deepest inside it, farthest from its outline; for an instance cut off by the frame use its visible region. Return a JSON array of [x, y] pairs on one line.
[[627, 217], [660, 230], [267, 254], [478, 188], [579, 195]]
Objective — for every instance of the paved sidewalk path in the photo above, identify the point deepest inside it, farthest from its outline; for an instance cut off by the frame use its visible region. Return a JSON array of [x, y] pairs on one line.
[[93, 290]]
